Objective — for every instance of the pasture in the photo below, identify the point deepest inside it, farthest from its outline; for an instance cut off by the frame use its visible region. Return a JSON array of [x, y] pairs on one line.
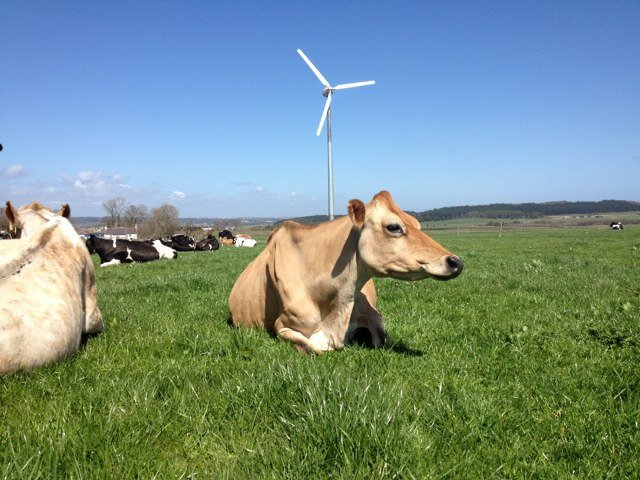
[[527, 365]]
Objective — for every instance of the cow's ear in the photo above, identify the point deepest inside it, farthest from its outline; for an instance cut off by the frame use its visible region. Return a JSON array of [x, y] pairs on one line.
[[356, 212], [65, 211], [12, 214]]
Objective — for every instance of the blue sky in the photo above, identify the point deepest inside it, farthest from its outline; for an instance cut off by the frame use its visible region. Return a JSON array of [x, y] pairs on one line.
[[206, 104]]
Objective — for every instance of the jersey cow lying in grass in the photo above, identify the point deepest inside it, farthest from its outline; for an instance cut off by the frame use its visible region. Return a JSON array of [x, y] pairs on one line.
[[117, 251], [48, 298], [312, 285]]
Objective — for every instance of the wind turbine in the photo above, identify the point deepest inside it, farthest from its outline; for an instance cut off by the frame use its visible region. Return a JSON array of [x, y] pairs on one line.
[[326, 115]]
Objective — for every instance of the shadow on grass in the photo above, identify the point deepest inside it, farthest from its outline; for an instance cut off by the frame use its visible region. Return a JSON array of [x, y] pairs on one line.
[[362, 338], [403, 349]]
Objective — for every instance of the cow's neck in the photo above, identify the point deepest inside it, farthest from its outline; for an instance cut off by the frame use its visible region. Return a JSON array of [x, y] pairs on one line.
[[348, 269], [346, 276]]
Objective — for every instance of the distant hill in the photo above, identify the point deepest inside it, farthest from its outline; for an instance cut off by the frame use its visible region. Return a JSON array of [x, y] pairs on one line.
[[528, 210], [505, 210]]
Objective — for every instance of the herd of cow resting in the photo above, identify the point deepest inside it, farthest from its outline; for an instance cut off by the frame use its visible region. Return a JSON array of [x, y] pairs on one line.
[[310, 285]]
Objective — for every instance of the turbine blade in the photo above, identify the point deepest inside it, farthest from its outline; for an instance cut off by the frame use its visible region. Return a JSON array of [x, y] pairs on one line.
[[324, 114], [352, 85], [314, 69]]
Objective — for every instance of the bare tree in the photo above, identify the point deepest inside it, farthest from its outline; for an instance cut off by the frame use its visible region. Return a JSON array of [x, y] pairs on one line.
[[114, 209], [165, 220], [135, 215]]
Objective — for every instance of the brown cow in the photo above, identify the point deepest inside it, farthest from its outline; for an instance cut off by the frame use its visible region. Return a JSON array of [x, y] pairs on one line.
[[307, 284], [48, 296]]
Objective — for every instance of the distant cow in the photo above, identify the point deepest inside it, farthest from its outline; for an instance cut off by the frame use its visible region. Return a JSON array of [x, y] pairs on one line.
[[226, 237], [241, 241], [226, 241], [616, 226], [114, 252], [225, 234], [209, 243], [48, 297], [312, 285], [180, 243], [183, 243]]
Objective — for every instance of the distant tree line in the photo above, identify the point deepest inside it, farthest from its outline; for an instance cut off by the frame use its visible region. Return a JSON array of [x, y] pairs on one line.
[[162, 221], [527, 210]]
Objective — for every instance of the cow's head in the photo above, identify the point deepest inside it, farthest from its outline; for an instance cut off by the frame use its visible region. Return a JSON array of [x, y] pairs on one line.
[[91, 243], [391, 243], [24, 221]]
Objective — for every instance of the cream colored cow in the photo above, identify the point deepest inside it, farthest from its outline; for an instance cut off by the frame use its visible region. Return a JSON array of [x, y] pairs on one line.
[[24, 220], [312, 285], [48, 296]]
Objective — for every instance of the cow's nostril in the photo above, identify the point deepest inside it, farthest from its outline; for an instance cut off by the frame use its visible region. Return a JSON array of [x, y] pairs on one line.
[[455, 264]]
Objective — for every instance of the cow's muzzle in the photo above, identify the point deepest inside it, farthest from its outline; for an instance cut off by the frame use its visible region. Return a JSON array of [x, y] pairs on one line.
[[454, 266]]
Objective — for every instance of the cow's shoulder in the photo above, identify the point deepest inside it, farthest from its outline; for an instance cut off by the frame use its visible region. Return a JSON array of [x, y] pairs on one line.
[[292, 231], [64, 243]]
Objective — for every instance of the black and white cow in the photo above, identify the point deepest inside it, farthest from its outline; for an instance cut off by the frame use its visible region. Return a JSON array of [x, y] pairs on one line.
[[225, 234], [616, 226], [209, 243], [244, 241], [180, 243], [183, 242], [114, 252]]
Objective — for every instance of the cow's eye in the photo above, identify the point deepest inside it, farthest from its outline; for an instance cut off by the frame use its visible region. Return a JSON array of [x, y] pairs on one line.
[[394, 228]]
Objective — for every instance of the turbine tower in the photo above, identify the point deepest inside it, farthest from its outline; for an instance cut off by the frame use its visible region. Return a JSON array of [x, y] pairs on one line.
[[327, 91]]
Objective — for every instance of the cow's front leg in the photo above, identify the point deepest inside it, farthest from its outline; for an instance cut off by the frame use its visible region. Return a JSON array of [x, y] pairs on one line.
[[299, 341], [316, 343]]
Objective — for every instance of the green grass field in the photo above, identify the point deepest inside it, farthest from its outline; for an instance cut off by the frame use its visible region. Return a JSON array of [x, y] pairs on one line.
[[526, 366], [483, 224]]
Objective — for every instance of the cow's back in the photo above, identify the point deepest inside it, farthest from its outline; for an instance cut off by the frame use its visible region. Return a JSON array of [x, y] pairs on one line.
[[44, 307]]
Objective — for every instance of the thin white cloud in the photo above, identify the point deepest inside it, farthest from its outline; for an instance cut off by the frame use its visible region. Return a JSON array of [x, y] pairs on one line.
[[88, 181], [14, 171], [86, 190], [95, 184]]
